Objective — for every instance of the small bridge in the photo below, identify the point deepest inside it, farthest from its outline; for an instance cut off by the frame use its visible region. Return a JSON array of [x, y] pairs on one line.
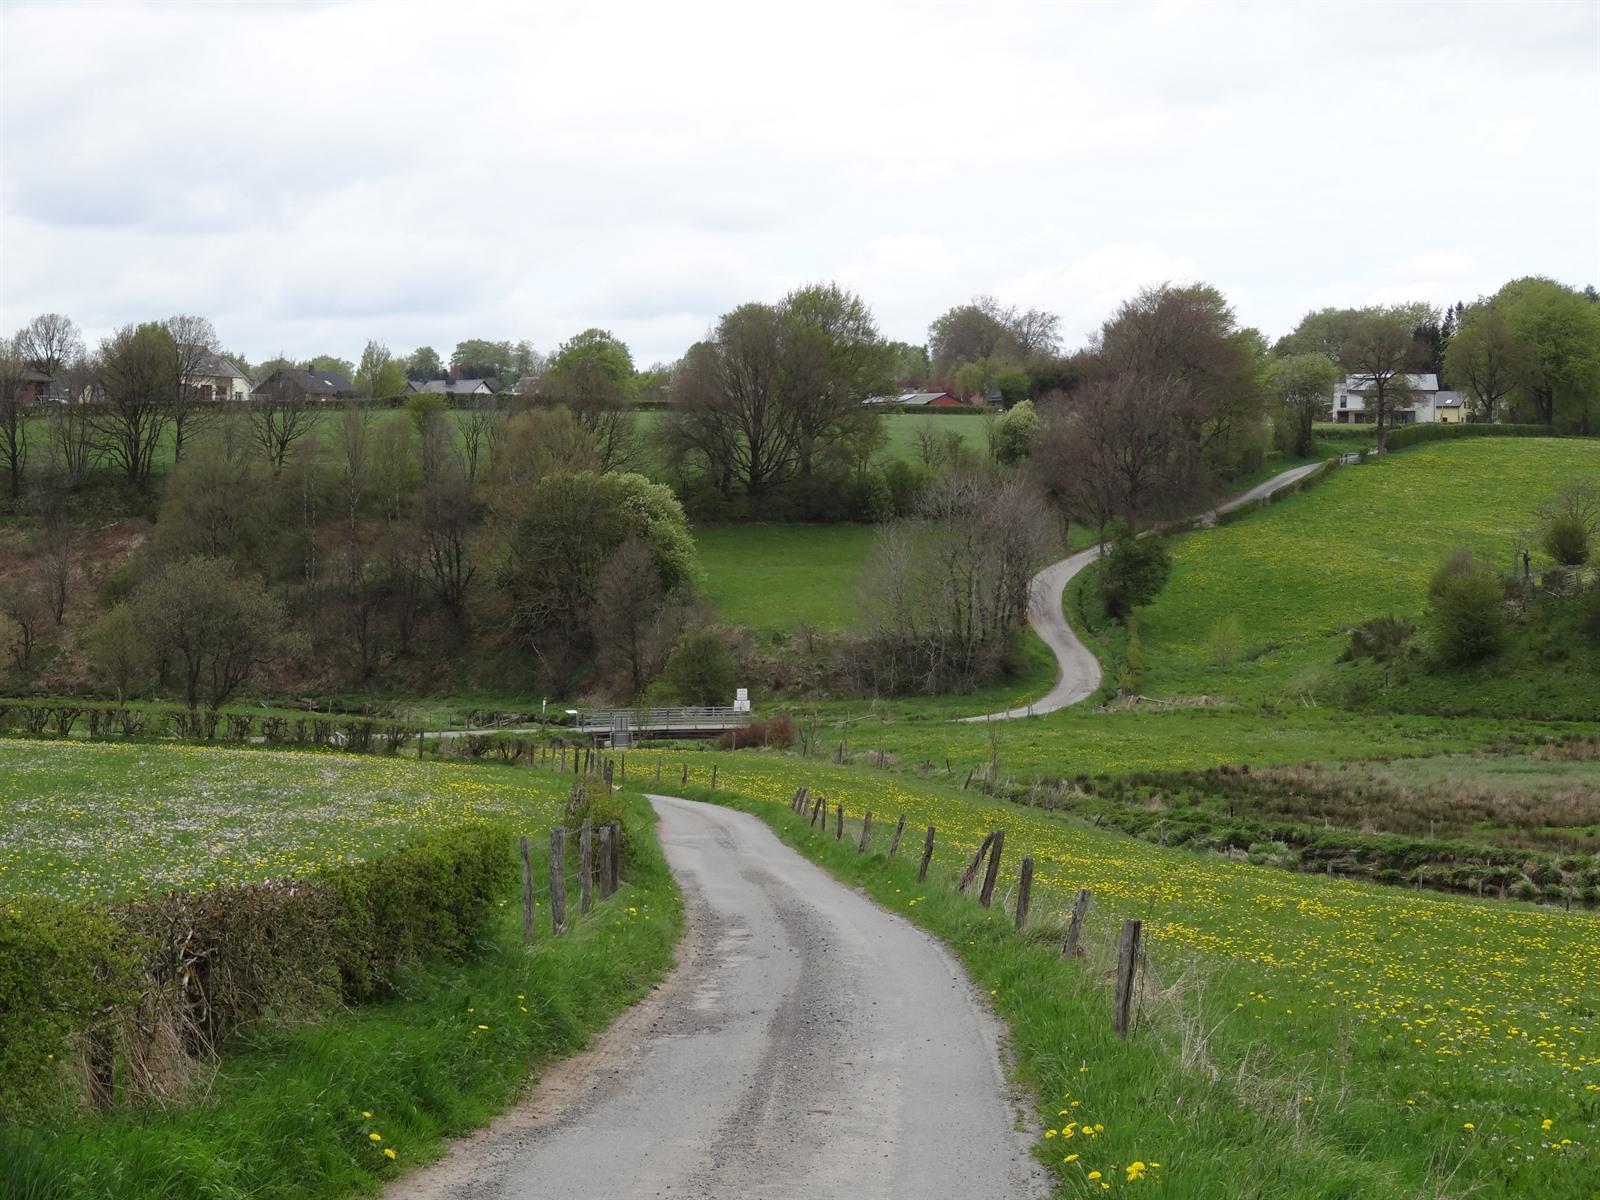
[[621, 726]]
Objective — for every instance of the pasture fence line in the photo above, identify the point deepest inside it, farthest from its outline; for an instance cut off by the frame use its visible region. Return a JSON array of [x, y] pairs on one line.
[[985, 863]]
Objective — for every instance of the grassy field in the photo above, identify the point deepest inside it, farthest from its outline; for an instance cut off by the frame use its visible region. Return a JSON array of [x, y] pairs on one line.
[[1389, 1042], [87, 820], [777, 577], [1292, 579]]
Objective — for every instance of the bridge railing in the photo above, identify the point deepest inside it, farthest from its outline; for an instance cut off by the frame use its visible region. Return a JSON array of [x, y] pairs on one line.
[[655, 719]]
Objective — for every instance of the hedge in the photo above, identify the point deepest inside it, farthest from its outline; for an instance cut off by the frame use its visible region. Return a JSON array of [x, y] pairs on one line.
[[64, 717], [122, 1001]]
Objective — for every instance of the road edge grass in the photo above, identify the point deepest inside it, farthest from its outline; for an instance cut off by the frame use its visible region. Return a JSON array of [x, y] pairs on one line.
[[1155, 1098], [292, 1110]]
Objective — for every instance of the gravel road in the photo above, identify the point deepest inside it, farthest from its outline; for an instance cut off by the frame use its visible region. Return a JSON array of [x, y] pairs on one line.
[[809, 1044], [1077, 670]]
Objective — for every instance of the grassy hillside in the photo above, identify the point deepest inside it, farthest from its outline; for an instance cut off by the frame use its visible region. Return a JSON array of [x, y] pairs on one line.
[[1392, 1042], [1363, 543], [87, 820], [776, 577]]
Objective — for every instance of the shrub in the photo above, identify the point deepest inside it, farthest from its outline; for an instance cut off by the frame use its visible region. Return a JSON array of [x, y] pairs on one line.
[[1133, 573], [1466, 614], [1566, 539], [778, 733], [1381, 639], [1014, 432], [700, 671], [1227, 639]]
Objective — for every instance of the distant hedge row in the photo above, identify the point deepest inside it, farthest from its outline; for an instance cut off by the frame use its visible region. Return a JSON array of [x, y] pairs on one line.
[[63, 718], [1414, 435], [122, 1000]]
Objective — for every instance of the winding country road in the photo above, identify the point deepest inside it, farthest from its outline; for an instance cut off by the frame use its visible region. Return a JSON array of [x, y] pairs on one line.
[[808, 1045], [1077, 670]]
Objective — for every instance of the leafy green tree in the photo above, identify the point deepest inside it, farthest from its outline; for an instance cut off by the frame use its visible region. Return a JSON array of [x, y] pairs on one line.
[[478, 358], [1485, 358], [832, 359], [1302, 386], [424, 364], [701, 670], [909, 364], [1014, 431], [1133, 572], [380, 375], [1466, 611], [1558, 372], [119, 651], [593, 375], [1012, 384], [572, 524]]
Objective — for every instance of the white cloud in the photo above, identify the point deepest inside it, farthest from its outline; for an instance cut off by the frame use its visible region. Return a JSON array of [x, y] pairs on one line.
[[314, 175]]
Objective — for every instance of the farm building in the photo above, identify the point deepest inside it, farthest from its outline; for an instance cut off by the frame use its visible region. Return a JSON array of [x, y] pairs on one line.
[[918, 400], [1428, 403]]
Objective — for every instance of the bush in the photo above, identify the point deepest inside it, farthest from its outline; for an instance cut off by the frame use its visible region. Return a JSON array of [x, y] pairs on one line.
[[1566, 539], [777, 734], [1227, 640], [1014, 432], [1466, 612], [1133, 573], [700, 671], [1381, 639]]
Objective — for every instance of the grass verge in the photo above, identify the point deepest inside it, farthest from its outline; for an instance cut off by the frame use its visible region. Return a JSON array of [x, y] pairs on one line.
[[291, 1112]]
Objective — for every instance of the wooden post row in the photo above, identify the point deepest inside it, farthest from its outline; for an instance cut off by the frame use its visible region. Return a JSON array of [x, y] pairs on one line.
[[527, 892], [1024, 889], [1127, 967], [894, 842], [1080, 907], [585, 866], [558, 877], [971, 873], [927, 855], [866, 833], [986, 896]]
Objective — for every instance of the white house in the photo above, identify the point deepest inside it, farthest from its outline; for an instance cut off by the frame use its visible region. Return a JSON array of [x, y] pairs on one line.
[[1427, 403], [215, 378]]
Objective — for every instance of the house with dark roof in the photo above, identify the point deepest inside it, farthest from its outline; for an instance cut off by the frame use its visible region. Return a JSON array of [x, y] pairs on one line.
[[918, 400], [296, 383], [454, 388]]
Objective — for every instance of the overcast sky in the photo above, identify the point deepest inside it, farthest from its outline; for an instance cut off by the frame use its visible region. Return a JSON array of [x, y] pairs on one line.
[[313, 175]]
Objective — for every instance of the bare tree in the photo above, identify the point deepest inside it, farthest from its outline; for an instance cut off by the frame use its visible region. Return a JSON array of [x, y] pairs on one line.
[[355, 437], [281, 416], [950, 586], [72, 443], [1379, 349], [56, 565], [444, 513], [481, 425], [14, 407], [136, 369], [635, 622], [23, 605], [194, 345], [49, 343]]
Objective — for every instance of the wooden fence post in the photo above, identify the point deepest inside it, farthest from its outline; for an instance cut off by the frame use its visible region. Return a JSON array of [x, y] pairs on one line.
[[838, 829], [987, 894], [971, 872], [586, 866], [527, 892], [1024, 889], [658, 768], [603, 861], [1080, 908], [713, 777], [927, 855], [614, 857], [1127, 966], [686, 773], [623, 767], [894, 842], [610, 773], [866, 833], [558, 878]]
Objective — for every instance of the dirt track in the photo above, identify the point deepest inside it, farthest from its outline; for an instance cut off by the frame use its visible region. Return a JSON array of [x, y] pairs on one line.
[[809, 1044]]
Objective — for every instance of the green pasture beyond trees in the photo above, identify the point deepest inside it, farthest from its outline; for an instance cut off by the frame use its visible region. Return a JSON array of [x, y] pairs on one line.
[[1362, 543], [778, 577]]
